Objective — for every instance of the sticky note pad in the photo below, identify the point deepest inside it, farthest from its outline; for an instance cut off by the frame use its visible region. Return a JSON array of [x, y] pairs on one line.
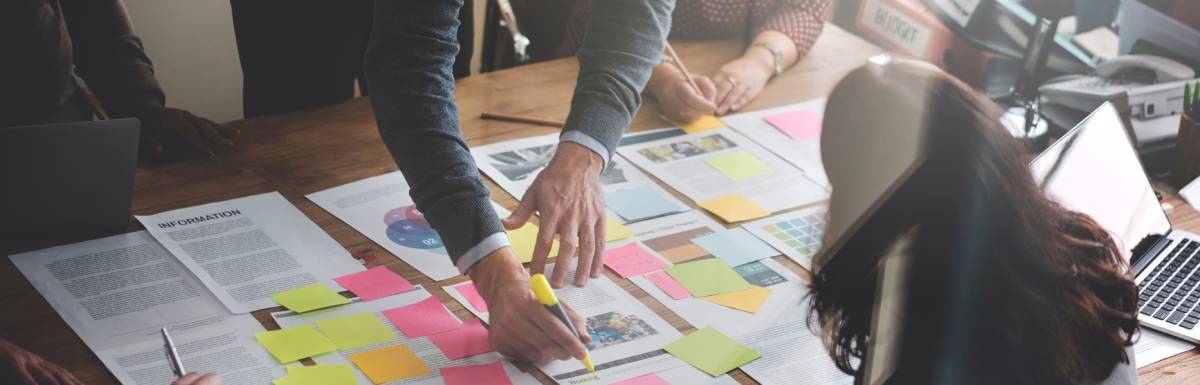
[[736, 246], [739, 165], [749, 300], [423, 318], [640, 203], [649, 379], [389, 364], [294, 343], [733, 208], [798, 125], [375, 283], [355, 331], [469, 340], [708, 277], [631, 260], [668, 285], [309, 298], [486, 374], [614, 230], [319, 375], [709, 350], [469, 292], [522, 241], [705, 123]]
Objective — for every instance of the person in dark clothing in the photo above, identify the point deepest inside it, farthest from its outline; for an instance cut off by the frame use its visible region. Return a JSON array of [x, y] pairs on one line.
[[299, 55], [51, 46]]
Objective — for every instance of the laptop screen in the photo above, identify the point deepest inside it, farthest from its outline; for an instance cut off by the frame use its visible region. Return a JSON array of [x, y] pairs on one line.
[[1098, 173]]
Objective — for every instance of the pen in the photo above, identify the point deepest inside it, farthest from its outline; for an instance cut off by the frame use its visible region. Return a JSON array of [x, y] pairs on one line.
[[545, 295], [679, 65], [172, 354], [521, 119]]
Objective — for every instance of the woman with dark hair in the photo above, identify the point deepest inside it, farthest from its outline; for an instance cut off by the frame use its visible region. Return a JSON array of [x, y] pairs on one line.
[[957, 268]]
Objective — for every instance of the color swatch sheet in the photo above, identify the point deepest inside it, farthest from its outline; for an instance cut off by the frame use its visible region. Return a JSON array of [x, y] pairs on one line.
[[406, 360], [797, 234]]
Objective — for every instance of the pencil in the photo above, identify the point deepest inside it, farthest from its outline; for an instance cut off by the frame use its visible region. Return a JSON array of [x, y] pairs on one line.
[[522, 119], [682, 68]]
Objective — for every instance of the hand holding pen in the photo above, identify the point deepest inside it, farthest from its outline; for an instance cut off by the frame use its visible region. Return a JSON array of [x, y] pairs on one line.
[[181, 375]]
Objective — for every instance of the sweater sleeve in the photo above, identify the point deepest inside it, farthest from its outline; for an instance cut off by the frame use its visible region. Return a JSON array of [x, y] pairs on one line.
[[800, 20]]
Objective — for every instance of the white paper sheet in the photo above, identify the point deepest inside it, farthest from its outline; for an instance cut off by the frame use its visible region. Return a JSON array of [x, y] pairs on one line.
[[797, 234], [380, 208], [514, 164], [1153, 346], [117, 292], [804, 154], [421, 346], [679, 161], [245, 249]]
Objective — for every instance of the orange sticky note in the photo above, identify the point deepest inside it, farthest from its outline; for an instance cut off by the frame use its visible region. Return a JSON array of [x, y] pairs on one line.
[[390, 364], [749, 300], [734, 208], [705, 123]]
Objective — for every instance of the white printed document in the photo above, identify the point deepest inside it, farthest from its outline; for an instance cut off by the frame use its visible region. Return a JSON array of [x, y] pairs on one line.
[[246, 249], [380, 208], [805, 154], [720, 162], [116, 293]]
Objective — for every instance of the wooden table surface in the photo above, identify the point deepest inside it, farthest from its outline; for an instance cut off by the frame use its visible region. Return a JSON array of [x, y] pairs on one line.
[[300, 153]]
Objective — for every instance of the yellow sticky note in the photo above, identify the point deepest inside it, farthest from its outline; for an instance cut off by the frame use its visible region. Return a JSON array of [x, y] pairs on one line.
[[749, 300], [739, 165], [390, 364], [356, 331], [614, 230], [734, 208], [294, 343], [319, 375], [522, 241], [309, 298], [705, 123]]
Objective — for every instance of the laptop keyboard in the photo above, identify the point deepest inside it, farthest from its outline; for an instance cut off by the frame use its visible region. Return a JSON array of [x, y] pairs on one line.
[[1167, 292]]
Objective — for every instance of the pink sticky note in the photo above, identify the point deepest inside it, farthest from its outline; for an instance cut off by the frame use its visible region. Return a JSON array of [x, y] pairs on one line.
[[423, 318], [486, 374], [375, 283], [631, 260], [649, 379], [799, 124], [469, 340], [472, 295], [668, 285]]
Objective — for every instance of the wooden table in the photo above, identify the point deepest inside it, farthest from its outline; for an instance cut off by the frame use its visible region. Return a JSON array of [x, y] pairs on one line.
[[310, 151]]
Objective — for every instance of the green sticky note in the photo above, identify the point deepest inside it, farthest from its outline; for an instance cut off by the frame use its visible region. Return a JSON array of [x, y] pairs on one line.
[[356, 331], [319, 375], [739, 165], [707, 277], [309, 298], [294, 343], [709, 350]]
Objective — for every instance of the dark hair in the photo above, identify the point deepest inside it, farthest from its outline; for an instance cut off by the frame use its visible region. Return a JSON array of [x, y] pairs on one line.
[[1002, 283]]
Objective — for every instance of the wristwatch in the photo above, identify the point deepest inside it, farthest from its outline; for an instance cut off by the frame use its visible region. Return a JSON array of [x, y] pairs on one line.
[[777, 54]]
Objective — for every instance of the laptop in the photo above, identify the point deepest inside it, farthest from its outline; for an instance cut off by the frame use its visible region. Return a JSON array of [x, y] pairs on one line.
[[1095, 170], [67, 179]]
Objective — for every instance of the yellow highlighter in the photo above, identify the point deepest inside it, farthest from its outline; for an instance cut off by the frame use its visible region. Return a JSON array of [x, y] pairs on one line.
[[545, 295]]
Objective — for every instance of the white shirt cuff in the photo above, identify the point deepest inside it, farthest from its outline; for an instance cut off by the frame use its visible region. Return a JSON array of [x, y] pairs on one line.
[[482, 249], [585, 140]]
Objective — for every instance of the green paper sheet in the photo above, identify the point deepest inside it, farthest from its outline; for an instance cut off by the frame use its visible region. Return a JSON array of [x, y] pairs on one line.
[[709, 350], [708, 277], [294, 343], [739, 165], [355, 331], [309, 298]]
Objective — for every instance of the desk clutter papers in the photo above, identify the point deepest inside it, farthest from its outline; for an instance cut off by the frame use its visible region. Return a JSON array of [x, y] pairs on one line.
[[424, 318], [355, 331], [117, 308], [515, 164], [308, 298], [722, 167], [707, 277], [380, 208], [245, 249], [631, 259], [486, 374], [639, 203], [294, 343], [709, 350], [792, 132], [797, 234], [1153, 346], [375, 283], [403, 359], [318, 375], [736, 246]]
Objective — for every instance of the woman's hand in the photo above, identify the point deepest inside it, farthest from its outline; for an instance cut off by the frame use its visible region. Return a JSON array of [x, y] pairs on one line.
[[677, 100], [740, 81], [20, 366]]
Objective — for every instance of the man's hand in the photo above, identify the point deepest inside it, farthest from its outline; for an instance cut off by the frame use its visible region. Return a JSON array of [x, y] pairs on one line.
[[568, 198], [20, 366], [199, 379], [519, 326], [172, 134]]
